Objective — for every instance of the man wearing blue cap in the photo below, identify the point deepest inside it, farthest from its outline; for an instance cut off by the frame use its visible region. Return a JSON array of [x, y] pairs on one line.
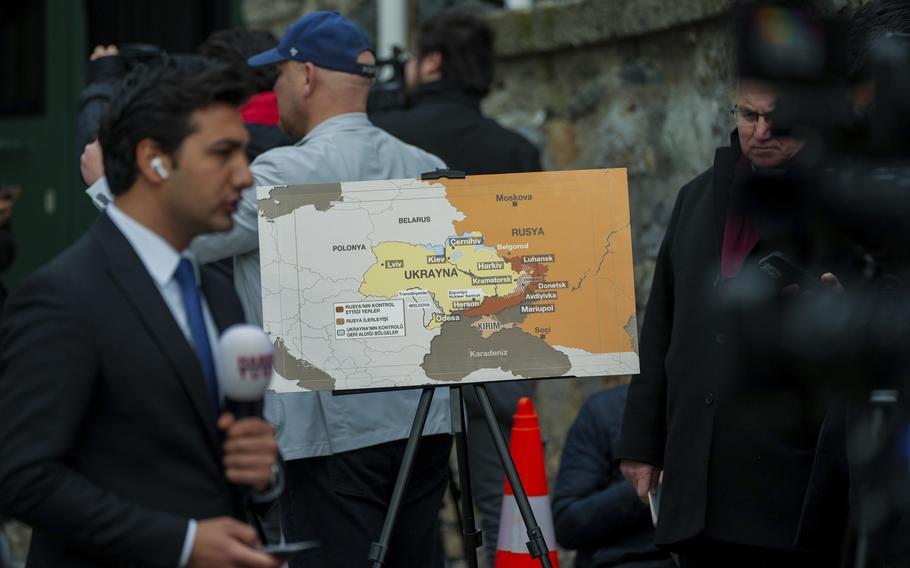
[[342, 452]]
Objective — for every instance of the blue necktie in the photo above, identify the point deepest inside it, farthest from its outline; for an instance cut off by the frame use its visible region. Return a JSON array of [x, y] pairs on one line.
[[192, 303]]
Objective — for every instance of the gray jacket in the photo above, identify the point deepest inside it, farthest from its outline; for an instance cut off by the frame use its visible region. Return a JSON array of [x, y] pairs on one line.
[[343, 148]]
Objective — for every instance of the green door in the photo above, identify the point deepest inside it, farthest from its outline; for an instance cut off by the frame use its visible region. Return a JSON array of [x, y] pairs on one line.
[[41, 71], [44, 48]]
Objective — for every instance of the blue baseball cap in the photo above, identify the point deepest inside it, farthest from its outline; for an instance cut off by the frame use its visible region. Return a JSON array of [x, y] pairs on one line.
[[325, 39]]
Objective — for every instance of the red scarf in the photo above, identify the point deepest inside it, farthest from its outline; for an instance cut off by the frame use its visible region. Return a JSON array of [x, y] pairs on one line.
[[740, 236], [261, 109]]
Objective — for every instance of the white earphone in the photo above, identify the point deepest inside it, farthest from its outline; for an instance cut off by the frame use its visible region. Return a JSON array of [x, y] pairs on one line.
[[159, 168]]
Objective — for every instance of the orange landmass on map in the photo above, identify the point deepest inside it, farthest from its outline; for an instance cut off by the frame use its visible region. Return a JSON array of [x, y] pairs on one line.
[[496, 304], [582, 219]]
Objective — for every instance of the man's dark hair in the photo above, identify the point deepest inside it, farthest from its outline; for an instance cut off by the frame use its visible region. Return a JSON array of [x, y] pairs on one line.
[[156, 102], [871, 22], [466, 45], [234, 46]]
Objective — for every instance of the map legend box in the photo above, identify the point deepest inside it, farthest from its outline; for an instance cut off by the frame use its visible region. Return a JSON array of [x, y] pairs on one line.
[[370, 320]]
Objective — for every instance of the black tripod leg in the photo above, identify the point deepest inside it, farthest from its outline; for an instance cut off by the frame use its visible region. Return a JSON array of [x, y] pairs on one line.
[[472, 538], [536, 543], [379, 550]]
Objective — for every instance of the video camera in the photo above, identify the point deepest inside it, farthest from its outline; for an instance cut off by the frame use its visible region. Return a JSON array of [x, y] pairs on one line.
[[134, 54], [806, 56], [847, 195], [845, 202], [388, 91]]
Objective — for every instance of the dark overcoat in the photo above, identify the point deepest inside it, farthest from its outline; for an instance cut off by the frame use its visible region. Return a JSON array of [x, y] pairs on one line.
[[108, 443], [714, 406]]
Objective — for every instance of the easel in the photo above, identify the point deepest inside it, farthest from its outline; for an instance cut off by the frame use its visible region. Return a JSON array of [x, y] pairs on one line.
[[472, 537]]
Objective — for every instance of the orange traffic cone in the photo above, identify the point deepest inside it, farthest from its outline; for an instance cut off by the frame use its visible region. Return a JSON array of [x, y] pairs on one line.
[[526, 448]]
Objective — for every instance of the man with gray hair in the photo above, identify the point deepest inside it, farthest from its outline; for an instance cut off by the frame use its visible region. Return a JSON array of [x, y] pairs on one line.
[[343, 452], [733, 479]]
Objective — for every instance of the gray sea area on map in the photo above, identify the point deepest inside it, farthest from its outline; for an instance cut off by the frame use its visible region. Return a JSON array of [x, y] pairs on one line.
[[525, 355], [285, 199], [511, 315], [306, 375]]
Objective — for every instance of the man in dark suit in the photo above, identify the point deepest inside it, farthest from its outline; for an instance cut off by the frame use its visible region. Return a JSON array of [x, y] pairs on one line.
[[449, 74], [724, 419], [112, 443]]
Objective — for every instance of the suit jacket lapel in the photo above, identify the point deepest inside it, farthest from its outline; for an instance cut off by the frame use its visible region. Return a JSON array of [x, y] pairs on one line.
[[222, 300], [130, 275], [226, 311], [224, 305]]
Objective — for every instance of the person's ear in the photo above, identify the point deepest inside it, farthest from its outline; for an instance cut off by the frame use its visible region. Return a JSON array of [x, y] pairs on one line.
[[310, 77], [430, 66], [151, 163]]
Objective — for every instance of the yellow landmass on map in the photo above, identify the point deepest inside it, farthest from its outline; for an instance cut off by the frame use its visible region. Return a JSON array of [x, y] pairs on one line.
[[459, 279]]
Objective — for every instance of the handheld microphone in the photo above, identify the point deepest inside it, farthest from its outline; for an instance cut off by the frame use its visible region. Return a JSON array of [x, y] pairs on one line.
[[244, 368]]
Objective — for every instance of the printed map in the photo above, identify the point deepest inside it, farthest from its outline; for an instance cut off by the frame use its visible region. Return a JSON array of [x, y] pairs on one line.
[[405, 283]]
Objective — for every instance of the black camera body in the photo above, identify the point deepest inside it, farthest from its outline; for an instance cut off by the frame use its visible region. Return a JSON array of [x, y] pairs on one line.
[[388, 91], [134, 54], [846, 198]]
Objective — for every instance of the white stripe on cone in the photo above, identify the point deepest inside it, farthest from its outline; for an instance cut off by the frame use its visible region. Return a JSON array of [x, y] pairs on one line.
[[513, 536]]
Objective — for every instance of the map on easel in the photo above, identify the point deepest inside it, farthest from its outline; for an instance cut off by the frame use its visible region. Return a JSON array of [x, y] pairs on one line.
[[410, 283]]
